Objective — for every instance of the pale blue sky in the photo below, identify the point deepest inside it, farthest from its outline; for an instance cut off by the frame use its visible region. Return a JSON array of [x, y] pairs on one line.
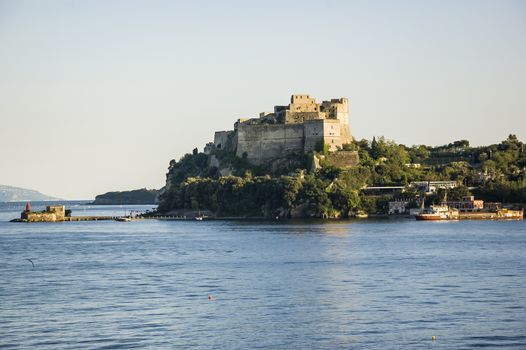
[[100, 95]]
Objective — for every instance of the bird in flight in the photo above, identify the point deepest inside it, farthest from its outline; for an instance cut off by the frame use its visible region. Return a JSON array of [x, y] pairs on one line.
[[31, 261]]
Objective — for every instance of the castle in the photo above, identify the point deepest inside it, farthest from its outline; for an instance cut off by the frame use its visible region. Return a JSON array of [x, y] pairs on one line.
[[303, 125]]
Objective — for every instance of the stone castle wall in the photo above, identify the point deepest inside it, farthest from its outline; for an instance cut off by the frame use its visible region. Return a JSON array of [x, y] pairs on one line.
[[343, 159], [40, 217], [225, 140], [267, 141]]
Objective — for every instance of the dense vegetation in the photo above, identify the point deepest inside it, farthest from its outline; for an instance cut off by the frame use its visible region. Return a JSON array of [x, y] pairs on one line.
[[286, 188], [141, 196]]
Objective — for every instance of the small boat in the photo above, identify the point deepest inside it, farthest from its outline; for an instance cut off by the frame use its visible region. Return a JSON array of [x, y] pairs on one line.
[[123, 219], [199, 218], [361, 215]]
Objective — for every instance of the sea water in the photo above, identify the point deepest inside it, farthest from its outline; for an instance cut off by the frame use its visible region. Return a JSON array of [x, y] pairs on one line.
[[387, 284]]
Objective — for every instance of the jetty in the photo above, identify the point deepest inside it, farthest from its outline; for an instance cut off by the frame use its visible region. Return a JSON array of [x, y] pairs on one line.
[[90, 218], [57, 213]]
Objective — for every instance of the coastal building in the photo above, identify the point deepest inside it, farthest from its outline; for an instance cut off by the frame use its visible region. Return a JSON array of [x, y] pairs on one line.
[[52, 213], [301, 126], [413, 165], [468, 203], [433, 186], [383, 190], [492, 205], [423, 186], [397, 207], [404, 206]]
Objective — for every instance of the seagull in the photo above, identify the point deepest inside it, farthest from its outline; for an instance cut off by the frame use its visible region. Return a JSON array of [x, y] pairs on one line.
[[31, 261]]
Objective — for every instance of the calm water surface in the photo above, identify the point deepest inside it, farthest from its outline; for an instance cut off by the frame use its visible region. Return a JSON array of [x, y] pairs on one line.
[[389, 284]]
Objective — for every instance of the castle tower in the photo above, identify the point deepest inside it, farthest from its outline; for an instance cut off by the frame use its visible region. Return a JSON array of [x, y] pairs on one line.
[[303, 103], [342, 110], [338, 108], [300, 126], [342, 114]]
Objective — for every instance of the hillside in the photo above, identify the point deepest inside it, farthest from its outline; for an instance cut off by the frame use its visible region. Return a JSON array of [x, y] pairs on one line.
[[307, 185], [140, 196], [17, 194]]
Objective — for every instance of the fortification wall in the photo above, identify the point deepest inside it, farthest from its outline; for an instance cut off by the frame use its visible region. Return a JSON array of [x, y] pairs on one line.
[[225, 140], [263, 142], [40, 217], [343, 159], [313, 134]]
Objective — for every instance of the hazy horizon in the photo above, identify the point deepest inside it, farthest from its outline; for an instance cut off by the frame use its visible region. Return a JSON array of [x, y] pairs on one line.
[[99, 96]]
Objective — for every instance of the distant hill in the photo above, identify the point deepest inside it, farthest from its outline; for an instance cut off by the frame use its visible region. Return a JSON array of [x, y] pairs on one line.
[[17, 194], [141, 196]]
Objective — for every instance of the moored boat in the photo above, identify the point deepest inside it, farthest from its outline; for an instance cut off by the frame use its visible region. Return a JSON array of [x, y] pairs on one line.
[[437, 212], [445, 213], [429, 216], [510, 214], [361, 214]]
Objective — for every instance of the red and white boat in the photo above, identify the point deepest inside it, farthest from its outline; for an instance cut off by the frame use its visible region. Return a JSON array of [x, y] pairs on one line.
[[437, 212]]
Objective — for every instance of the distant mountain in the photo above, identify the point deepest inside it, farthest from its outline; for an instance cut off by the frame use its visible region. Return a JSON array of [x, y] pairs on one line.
[[141, 196], [17, 194]]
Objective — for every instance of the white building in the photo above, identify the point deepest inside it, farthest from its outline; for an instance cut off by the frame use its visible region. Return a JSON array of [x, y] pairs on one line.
[[433, 186], [397, 207]]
